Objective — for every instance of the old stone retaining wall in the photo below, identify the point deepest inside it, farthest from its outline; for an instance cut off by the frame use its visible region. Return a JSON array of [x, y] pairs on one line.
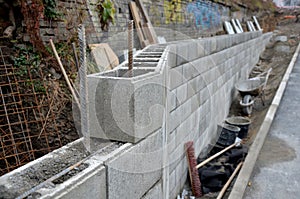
[[184, 18]]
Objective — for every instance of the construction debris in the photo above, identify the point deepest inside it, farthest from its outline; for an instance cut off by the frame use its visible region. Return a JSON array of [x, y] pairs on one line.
[[104, 56]]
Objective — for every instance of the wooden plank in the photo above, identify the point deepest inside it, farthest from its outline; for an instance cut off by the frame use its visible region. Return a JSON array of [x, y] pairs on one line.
[[148, 33], [137, 22], [147, 20]]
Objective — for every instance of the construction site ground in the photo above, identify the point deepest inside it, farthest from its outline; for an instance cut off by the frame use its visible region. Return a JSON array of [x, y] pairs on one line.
[[276, 172]]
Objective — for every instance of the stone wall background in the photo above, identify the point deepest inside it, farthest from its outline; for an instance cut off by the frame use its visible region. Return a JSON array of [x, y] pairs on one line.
[[183, 18]]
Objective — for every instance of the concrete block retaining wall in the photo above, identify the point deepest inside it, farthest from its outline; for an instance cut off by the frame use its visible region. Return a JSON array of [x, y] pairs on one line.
[[200, 79], [201, 87], [199, 76]]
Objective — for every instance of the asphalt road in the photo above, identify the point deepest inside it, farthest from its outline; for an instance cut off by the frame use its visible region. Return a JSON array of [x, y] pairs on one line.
[[276, 174]]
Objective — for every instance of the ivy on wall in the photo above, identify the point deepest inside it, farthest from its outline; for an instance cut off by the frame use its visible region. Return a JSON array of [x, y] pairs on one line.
[[50, 11], [107, 12]]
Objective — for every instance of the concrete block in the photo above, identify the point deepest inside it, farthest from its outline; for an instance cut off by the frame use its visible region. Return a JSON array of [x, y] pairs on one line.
[[125, 108], [210, 75], [195, 85], [176, 77], [172, 180], [213, 45], [181, 93], [204, 95], [174, 119], [192, 50], [182, 53], [172, 56], [218, 57], [92, 185], [154, 192], [136, 170], [172, 101], [182, 133], [186, 109], [201, 47], [180, 170], [221, 68], [203, 64], [189, 71], [221, 43], [171, 141]]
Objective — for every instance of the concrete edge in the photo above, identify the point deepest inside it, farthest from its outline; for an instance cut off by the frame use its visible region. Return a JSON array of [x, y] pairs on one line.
[[241, 183]]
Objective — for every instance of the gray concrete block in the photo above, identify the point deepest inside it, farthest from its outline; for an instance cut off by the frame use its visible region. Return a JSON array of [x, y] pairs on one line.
[[92, 185], [203, 64], [172, 180], [204, 95], [182, 53], [181, 93], [172, 56], [154, 192], [219, 57], [195, 102], [182, 132], [174, 119], [210, 75], [136, 170], [172, 101], [186, 109], [176, 77], [171, 141], [189, 71], [125, 109], [180, 170], [201, 47], [213, 45], [195, 85], [221, 43], [192, 50]]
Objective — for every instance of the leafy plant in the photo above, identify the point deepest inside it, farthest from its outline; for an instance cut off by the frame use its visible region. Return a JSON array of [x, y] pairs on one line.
[[107, 12], [50, 11]]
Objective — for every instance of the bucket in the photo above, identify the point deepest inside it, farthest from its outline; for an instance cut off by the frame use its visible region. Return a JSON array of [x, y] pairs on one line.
[[228, 134], [241, 122]]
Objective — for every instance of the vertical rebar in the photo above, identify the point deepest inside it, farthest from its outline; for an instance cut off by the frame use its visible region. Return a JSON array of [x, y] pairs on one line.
[[83, 88], [130, 47]]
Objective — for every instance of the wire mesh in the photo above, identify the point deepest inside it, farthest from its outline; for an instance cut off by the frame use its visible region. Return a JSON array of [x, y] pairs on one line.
[[29, 125]]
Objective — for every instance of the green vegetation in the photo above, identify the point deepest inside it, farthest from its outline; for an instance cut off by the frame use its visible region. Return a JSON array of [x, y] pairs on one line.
[[28, 61], [50, 11], [107, 12]]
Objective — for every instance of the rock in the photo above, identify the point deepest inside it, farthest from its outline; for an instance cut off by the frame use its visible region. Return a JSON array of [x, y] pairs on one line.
[[282, 49], [54, 73], [266, 55], [8, 31], [292, 42], [281, 38]]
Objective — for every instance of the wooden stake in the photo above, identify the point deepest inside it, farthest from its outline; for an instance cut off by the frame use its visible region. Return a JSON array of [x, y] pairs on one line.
[[64, 73], [214, 156], [222, 192]]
